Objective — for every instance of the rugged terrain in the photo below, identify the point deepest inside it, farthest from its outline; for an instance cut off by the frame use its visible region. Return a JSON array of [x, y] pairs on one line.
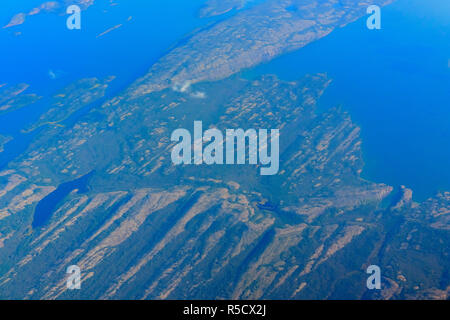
[[148, 229], [99, 189]]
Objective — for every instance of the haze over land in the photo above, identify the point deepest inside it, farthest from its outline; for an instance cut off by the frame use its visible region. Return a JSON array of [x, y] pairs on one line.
[[140, 227]]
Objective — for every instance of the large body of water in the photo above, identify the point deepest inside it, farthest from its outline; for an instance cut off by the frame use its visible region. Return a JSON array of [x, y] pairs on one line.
[[395, 83]]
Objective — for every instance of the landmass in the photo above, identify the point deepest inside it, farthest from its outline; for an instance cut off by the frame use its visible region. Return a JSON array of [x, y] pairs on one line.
[[218, 7], [4, 140], [57, 7], [146, 229], [249, 38], [149, 230], [14, 97], [71, 99]]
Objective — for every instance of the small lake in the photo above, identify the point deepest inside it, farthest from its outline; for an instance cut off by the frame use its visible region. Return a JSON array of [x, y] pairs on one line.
[[48, 205]]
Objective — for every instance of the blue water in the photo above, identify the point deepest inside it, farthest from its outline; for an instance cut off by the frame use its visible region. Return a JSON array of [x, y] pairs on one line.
[[47, 206], [395, 83]]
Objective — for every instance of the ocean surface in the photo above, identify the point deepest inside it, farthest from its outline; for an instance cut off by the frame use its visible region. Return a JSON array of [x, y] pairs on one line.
[[395, 83]]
